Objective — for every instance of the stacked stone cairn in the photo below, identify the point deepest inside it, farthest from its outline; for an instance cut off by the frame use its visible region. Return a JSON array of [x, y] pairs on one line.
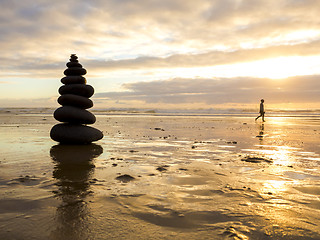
[[75, 94]]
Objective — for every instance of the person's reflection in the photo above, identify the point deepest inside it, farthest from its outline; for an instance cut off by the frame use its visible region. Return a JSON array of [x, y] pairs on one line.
[[261, 133], [73, 171]]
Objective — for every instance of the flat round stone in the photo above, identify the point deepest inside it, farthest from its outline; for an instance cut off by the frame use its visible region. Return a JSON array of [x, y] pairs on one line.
[[77, 89], [73, 80], [71, 114], [75, 71], [75, 134], [73, 64], [75, 101]]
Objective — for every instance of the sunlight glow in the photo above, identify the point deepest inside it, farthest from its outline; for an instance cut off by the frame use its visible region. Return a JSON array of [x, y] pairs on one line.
[[281, 67], [292, 37], [274, 186], [283, 156], [274, 68], [303, 35]]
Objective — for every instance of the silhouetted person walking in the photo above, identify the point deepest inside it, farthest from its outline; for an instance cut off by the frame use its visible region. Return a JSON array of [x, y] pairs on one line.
[[261, 111]]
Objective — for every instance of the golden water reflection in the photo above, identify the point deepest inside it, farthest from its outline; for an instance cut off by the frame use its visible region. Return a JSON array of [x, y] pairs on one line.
[[274, 186], [279, 155], [276, 192], [278, 152]]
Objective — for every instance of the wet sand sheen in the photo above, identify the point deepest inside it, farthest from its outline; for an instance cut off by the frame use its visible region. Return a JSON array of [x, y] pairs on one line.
[[190, 177]]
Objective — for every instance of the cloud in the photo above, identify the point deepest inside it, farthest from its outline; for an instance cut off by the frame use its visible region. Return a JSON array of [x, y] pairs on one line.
[[212, 58], [37, 37], [36, 67], [104, 28], [220, 91], [28, 102]]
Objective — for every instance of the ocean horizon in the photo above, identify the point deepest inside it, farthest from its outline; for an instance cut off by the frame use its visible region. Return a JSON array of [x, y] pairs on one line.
[[235, 112]]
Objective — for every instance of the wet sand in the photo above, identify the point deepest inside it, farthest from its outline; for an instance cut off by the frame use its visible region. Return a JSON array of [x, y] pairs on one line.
[[162, 177]]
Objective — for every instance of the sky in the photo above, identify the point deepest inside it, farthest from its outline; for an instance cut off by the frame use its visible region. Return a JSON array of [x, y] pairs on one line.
[[170, 54]]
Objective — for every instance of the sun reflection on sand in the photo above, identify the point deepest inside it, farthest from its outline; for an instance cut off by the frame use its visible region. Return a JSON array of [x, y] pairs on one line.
[[283, 156], [278, 151], [274, 186], [280, 155], [281, 121]]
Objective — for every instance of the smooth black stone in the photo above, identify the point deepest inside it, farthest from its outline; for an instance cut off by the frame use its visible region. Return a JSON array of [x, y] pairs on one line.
[[75, 134], [73, 57], [75, 101], [77, 89], [73, 64], [75, 71], [73, 80], [71, 114]]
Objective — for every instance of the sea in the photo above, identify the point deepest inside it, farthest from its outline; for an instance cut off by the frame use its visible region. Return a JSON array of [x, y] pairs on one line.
[[233, 112]]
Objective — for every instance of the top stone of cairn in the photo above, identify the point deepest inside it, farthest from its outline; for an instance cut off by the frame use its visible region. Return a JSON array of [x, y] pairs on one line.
[[74, 67]]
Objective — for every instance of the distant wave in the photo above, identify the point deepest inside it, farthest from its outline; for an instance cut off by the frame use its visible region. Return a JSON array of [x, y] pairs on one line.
[[174, 112]]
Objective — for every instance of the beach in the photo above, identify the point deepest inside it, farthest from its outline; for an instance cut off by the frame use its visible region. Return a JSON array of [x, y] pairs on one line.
[[157, 176]]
